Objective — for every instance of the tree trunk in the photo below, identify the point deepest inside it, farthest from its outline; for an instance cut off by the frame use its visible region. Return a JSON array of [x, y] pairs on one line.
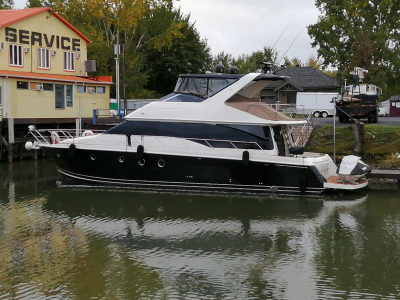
[[358, 137]]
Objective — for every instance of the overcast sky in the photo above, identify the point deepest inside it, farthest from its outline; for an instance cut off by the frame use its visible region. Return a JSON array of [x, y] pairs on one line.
[[243, 26]]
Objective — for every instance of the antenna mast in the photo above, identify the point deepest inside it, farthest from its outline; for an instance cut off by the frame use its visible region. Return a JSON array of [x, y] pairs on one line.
[[289, 47]]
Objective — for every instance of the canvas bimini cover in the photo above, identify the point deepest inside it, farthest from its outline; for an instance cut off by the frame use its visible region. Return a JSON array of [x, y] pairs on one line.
[[257, 108], [352, 165]]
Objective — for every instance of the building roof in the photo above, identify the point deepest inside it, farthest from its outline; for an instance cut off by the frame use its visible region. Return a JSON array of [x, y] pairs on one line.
[[11, 16], [58, 78], [393, 98], [307, 77]]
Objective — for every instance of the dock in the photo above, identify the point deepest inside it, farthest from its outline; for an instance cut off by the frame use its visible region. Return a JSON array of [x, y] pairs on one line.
[[384, 174]]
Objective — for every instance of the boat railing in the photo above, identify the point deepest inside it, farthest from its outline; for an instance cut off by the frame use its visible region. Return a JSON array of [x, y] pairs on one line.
[[55, 136], [289, 109], [305, 132], [234, 144]]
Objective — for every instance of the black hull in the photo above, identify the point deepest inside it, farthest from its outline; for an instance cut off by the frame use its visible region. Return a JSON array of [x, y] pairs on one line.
[[183, 173]]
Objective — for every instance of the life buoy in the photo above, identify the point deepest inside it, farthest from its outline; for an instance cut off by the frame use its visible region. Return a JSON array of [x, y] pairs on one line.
[[87, 133], [55, 138]]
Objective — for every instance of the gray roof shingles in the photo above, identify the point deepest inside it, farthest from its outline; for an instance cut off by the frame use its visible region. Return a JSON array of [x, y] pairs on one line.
[[308, 77]]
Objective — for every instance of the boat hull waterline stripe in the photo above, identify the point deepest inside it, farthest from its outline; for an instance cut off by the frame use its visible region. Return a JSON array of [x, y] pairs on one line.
[[190, 186]]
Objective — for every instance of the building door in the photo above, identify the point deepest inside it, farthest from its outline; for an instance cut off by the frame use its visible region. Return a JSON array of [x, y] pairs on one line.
[[60, 96]]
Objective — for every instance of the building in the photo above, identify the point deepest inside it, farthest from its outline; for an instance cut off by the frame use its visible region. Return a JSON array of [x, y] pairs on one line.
[[395, 106], [42, 73], [299, 79]]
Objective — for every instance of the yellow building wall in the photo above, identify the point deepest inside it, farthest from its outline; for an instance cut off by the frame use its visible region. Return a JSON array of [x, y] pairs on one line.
[[41, 104], [41, 24]]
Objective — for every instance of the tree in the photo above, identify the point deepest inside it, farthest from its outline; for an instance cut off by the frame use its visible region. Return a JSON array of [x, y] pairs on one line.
[[33, 3], [313, 61], [359, 33], [141, 26], [6, 4], [223, 58], [251, 63], [188, 53], [293, 62]]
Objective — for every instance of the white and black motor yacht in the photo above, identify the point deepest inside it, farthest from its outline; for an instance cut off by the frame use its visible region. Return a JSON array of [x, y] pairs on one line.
[[211, 135]]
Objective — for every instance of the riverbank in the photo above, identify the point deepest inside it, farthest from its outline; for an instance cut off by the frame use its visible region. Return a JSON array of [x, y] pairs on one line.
[[379, 151]]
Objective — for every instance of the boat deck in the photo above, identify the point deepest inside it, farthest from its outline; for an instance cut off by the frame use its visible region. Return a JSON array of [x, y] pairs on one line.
[[334, 182]]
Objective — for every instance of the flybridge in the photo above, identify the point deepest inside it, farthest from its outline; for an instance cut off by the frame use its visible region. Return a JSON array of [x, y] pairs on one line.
[[41, 39]]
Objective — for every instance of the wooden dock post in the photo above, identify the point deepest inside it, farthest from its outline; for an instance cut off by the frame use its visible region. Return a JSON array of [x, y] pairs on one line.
[[21, 151], [10, 122]]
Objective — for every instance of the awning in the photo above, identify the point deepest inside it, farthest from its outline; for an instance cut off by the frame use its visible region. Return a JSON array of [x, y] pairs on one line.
[[59, 78], [257, 108]]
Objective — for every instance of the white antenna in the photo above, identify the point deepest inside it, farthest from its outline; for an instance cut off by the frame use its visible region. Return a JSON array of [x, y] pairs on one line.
[[289, 47]]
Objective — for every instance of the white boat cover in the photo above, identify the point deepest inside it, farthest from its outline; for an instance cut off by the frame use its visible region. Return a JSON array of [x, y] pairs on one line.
[[352, 165]]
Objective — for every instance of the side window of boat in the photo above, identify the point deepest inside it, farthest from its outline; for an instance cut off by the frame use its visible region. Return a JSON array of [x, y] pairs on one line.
[[220, 144], [216, 85]]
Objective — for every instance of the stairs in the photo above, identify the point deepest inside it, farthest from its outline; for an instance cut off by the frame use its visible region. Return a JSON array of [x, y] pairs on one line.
[[301, 135]]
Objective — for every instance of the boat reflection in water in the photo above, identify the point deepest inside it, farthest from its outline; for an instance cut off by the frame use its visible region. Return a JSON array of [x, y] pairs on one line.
[[198, 246], [81, 244]]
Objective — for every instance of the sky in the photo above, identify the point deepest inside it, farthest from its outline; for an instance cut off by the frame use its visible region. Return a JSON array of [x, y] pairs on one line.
[[244, 26]]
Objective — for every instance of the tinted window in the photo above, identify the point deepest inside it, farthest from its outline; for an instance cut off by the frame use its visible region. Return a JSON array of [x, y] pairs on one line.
[[219, 144], [59, 96], [191, 130], [23, 85], [47, 87], [101, 89]]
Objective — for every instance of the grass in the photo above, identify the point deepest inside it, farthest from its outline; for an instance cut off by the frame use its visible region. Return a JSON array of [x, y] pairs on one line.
[[380, 148]]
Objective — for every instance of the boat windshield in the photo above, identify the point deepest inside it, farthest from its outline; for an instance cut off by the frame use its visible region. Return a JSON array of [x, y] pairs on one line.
[[202, 86]]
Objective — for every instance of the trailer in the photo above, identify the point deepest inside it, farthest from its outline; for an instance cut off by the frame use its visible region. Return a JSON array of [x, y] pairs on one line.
[[318, 104]]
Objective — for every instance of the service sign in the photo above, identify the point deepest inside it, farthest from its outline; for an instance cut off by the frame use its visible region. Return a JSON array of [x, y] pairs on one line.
[[41, 39]]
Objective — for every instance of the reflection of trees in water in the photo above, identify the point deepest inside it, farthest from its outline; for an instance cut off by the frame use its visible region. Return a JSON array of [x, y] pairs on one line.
[[59, 243], [49, 253], [360, 248]]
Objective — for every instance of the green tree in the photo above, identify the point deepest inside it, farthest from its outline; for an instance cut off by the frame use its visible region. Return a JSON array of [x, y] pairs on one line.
[[360, 33], [188, 53], [251, 63], [293, 62], [223, 58], [141, 26], [33, 3], [6, 4]]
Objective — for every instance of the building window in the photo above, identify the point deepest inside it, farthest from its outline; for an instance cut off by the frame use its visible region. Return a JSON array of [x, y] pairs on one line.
[[60, 96], [23, 85], [91, 89], [15, 56], [101, 89], [43, 58], [33, 85], [69, 95], [81, 89], [69, 61], [48, 87]]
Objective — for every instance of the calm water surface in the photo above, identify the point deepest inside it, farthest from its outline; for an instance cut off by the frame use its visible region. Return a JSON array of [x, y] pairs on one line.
[[63, 243]]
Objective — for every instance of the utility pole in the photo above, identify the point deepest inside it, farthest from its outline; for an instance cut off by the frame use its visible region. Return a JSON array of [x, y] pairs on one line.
[[117, 51], [124, 78]]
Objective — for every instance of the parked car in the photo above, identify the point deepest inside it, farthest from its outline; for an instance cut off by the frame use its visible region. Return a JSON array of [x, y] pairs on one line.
[[383, 112]]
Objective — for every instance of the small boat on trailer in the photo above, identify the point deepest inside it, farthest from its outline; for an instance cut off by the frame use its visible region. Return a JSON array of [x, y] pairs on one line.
[[211, 134]]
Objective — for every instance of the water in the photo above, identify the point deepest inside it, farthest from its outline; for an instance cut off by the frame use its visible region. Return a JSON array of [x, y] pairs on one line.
[[62, 243]]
